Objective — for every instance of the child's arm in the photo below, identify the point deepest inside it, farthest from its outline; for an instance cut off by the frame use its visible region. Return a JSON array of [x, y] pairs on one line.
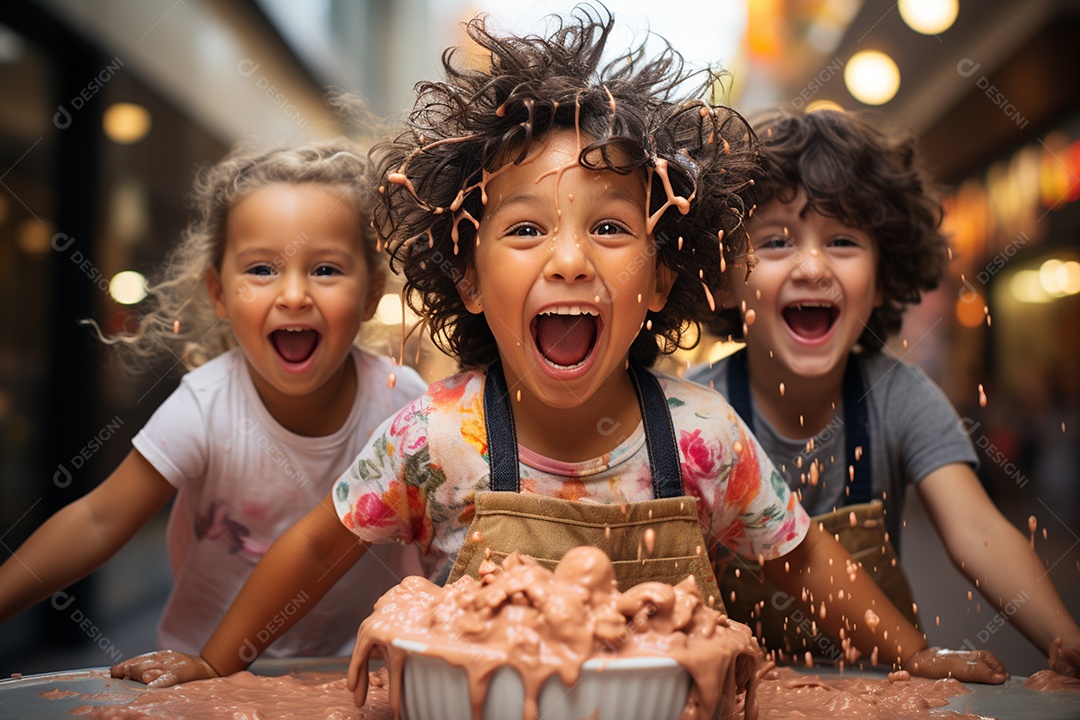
[[855, 608], [80, 537], [989, 550], [297, 570]]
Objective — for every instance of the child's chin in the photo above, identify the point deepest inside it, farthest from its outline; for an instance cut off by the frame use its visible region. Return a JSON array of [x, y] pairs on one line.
[[810, 365]]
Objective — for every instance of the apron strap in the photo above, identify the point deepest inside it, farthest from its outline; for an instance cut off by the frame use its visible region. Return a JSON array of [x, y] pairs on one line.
[[659, 433], [856, 418], [857, 432], [501, 436], [738, 388]]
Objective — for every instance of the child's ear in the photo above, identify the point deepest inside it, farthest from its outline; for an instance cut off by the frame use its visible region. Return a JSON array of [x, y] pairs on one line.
[[217, 292], [376, 288], [469, 291], [665, 280]]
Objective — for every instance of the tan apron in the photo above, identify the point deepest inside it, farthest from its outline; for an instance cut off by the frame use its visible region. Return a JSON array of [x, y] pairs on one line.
[[749, 599], [545, 527]]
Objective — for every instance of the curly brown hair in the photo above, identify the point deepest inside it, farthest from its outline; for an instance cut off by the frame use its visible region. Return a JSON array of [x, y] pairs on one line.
[[476, 120], [865, 177]]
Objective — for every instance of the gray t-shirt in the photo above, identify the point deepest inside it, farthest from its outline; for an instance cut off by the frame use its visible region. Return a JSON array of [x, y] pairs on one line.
[[914, 430]]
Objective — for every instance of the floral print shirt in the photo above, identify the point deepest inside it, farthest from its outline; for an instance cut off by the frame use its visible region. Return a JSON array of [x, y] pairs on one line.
[[416, 479]]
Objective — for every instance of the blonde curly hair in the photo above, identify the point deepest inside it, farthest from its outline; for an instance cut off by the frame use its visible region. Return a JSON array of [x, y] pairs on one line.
[[180, 323]]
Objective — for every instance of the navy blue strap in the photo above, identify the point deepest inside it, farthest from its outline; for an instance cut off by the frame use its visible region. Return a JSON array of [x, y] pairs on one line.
[[501, 436], [738, 388], [857, 433], [659, 433], [856, 419]]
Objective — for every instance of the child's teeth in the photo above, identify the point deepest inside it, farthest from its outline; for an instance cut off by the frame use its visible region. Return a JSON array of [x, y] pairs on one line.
[[569, 310]]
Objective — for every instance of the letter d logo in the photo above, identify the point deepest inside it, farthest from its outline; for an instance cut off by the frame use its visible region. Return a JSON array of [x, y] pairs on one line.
[[968, 293], [61, 242], [247, 67], [61, 478], [782, 601], [969, 425], [61, 600], [967, 67], [62, 118], [248, 653]]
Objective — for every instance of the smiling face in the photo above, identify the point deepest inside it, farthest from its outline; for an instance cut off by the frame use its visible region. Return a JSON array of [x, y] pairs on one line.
[[295, 286], [564, 273], [812, 291]]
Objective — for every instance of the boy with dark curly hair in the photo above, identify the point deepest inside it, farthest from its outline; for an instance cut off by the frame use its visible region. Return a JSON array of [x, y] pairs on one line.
[[558, 222], [845, 232]]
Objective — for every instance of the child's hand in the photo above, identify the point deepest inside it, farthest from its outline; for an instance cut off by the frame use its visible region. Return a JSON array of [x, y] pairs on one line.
[[1065, 657], [980, 666], [163, 668]]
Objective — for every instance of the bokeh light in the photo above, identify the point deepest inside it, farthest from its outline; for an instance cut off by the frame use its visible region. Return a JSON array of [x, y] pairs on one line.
[[872, 77], [126, 123], [127, 287], [929, 17]]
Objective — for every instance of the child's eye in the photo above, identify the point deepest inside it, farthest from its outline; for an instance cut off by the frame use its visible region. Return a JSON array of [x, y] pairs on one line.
[[326, 271], [775, 242], [525, 230], [609, 228], [844, 242], [262, 270]]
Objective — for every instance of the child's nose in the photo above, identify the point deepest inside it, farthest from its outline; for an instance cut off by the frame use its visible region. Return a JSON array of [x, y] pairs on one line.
[[812, 264], [569, 258], [294, 291]]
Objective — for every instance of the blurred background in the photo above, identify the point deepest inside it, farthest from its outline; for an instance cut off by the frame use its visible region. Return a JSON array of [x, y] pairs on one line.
[[108, 107]]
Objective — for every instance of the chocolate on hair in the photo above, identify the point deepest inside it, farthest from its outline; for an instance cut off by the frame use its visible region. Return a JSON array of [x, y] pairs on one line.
[[477, 119]]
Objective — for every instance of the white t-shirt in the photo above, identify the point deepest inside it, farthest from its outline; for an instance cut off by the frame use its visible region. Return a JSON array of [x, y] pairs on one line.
[[243, 480]]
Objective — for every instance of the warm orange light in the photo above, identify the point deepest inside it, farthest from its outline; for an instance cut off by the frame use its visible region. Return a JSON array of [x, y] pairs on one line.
[[764, 21], [126, 123], [969, 310], [824, 105]]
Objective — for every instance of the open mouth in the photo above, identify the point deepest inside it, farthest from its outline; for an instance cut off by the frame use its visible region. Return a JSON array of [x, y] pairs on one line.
[[811, 321], [566, 336], [295, 345]]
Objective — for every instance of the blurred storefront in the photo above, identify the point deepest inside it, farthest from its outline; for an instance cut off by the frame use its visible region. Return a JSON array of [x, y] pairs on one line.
[[108, 108], [1010, 149]]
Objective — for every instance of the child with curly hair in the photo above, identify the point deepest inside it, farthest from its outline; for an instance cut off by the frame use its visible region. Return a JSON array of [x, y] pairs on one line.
[[846, 236], [262, 300], [558, 224]]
